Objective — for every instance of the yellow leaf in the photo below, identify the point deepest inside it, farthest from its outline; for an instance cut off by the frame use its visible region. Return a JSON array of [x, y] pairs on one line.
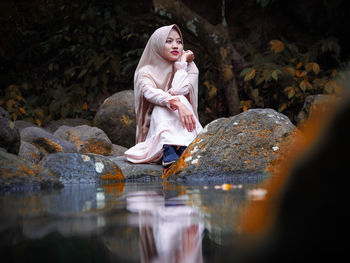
[[211, 89], [38, 122], [247, 103], [276, 46], [250, 75], [304, 85], [19, 97], [14, 116], [300, 74], [85, 106], [334, 73], [316, 68], [308, 66], [223, 52], [255, 93], [312, 66], [10, 104], [331, 87], [274, 75], [227, 71], [282, 107], [290, 91], [289, 70]]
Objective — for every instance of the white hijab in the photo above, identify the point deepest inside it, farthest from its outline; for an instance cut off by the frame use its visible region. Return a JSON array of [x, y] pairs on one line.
[[154, 69]]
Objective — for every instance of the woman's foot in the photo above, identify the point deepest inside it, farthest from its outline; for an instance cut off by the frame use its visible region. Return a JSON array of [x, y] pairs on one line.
[[180, 150], [169, 155]]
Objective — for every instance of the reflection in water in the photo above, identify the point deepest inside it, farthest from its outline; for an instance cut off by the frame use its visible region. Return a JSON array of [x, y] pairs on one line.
[[170, 230]]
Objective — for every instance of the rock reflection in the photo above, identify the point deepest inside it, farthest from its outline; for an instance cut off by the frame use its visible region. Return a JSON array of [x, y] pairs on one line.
[[169, 230]]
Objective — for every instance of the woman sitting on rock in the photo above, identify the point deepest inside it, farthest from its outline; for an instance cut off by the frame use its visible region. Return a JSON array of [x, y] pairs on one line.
[[166, 94]]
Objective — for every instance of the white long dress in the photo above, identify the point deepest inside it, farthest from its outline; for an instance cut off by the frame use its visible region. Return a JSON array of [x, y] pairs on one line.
[[165, 126]]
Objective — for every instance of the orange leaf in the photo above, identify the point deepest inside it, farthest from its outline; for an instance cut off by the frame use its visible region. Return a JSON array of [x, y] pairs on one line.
[[250, 75], [304, 85], [277, 46], [300, 74], [289, 70], [38, 122], [85, 106], [299, 65], [22, 110]]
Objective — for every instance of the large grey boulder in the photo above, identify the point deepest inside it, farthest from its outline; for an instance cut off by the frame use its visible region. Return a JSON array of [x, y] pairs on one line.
[[233, 149], [119, 150], [18, 174], [75, 168], [9, 135], [47, 142], [116, 117], [86, 139], [53, 125], [21, 124]]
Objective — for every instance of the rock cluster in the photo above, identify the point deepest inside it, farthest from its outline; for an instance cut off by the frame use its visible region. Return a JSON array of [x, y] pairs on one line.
[[78, 151]]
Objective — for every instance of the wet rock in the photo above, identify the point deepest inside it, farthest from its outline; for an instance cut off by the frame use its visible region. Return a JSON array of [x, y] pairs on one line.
[[86, 139], [19, 174], [118, 150], [46, 141], [138, 172], [9, 134], [230, 149], [29, 152], [53, 125], [116, 117], [73, 168], [319, 105]]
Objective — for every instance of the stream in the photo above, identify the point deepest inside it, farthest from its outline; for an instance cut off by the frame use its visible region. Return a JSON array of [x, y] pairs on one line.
[[123, 222]]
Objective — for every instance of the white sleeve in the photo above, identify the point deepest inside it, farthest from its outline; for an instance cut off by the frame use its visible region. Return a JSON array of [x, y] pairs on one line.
[[156, 96], [180, 84]]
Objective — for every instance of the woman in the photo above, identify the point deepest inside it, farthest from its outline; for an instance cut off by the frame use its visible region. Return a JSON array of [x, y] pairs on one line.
[[166, 92]]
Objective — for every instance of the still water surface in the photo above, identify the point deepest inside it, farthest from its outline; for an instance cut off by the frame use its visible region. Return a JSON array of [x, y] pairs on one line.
[[123, 222]]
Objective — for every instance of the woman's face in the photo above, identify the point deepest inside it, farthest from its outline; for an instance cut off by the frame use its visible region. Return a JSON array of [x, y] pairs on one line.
[[173, 46]]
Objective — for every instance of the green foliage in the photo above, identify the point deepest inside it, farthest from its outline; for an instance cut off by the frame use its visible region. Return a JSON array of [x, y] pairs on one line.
[[78, 51], [286, 74]]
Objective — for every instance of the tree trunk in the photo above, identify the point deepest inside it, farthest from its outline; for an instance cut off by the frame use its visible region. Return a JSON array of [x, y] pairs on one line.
[[214, 38]]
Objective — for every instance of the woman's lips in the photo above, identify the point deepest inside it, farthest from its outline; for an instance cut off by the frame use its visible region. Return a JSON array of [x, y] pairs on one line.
[[175, 52]]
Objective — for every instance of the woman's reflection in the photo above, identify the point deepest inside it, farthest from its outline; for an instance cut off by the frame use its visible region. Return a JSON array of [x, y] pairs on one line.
[[170, 231]]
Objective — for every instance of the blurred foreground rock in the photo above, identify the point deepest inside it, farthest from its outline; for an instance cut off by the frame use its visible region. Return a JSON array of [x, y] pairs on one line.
[[304, 217], [228, 148], [316, 105]]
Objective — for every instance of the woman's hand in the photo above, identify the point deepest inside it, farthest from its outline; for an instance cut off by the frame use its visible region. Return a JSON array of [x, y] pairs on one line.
[[187, 56], [186, 116]]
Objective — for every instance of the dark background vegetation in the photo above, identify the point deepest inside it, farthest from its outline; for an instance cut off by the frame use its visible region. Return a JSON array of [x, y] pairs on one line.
[[61, 59]]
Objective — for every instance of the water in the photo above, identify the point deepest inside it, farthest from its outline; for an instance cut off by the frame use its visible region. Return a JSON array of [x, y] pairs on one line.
[[122, 222]]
